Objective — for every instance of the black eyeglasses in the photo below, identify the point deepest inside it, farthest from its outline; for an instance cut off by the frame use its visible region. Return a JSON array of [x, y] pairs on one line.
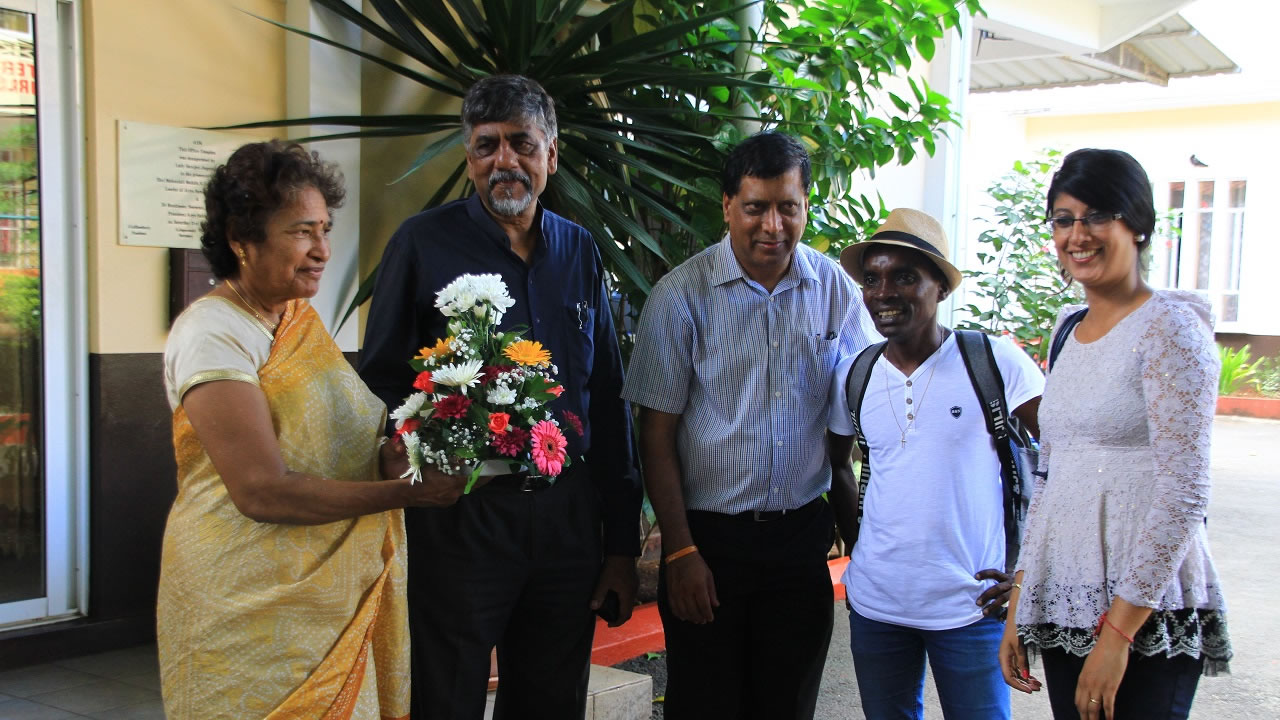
[[1095, 221]]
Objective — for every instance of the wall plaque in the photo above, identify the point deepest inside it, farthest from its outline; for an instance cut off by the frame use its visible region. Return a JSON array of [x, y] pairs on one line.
[[162, 174]]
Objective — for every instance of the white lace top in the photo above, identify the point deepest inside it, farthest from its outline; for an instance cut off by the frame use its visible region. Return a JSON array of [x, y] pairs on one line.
[[1125, 423]]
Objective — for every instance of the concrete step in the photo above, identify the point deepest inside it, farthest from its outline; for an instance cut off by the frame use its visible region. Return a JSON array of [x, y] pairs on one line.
[[612, 694]]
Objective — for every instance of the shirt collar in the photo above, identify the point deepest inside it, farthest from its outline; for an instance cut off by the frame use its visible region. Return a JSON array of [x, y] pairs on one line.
[[480, 215], [725, 268]]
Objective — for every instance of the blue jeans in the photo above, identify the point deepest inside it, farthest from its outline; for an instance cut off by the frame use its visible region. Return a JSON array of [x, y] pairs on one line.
[[889, 662]]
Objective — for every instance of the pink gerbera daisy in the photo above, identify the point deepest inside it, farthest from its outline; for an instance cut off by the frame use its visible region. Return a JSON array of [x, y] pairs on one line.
[[548, 448]]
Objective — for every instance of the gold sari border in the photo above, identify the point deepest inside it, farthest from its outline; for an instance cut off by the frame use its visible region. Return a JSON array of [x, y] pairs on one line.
[[212, 375]]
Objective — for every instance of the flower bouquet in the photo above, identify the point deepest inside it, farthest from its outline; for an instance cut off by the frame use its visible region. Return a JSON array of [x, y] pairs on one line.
[[480, 406]]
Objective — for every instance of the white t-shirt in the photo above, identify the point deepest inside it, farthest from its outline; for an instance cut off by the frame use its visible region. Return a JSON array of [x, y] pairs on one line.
[[934, 510]]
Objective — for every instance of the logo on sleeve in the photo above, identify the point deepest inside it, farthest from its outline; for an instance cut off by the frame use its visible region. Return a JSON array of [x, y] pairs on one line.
[[955, 411]]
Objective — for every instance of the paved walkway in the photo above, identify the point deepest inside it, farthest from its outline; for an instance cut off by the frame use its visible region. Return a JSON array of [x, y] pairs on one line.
[[1244, 533], [1244, 529]]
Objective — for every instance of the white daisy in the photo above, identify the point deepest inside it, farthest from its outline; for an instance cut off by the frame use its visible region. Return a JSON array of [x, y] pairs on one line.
[[463, 374]]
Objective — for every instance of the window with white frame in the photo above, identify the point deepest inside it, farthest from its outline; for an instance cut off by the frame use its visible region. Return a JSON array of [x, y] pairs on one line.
[[1201, 246]]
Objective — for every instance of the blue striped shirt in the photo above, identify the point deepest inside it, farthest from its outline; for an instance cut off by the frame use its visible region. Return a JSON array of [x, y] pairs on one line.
[[748, 371]]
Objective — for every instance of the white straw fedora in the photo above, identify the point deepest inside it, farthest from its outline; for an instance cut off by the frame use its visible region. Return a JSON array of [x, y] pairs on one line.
[[906, 228]]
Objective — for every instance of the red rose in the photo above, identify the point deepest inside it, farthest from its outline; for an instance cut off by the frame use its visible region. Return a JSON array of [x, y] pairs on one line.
[[556, 390], [452, 406], [408, 426], [498, 422], [423, 382]]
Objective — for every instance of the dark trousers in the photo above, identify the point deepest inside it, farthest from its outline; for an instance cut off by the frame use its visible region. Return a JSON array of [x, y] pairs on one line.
[[1153, 688], [762, 656], [511, 569]]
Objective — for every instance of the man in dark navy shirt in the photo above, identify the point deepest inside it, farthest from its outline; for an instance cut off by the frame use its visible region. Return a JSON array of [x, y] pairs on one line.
[[515, 564]]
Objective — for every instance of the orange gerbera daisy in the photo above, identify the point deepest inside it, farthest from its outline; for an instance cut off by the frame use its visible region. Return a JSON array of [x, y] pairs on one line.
[[441, 348], [528, 352]]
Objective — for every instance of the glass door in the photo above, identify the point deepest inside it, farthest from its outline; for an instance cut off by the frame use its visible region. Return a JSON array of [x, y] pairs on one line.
[[41, 464]]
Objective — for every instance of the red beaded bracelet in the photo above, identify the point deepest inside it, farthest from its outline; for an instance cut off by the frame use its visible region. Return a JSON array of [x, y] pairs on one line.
[[1104, 621]]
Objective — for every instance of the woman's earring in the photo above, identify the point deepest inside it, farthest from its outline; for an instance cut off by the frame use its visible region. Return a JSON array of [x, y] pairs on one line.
[[1139, 238], [243, 260]]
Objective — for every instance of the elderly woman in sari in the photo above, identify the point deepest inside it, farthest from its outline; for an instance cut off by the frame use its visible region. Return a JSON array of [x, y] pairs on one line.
[[282, 576]]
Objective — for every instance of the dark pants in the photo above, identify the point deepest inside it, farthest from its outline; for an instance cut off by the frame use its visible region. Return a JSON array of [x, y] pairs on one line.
[[512, 569], [1153, 688], [762, 656]]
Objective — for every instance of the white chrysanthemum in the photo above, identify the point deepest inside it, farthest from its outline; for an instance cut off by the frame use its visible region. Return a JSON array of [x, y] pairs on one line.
[[490, 290], [475, 294], [463, 374], [501, 395], [411, 406], [413, 449], [457, 296]]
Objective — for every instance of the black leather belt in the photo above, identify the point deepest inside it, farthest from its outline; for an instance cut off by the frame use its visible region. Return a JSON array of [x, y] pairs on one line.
[[522, 482], [767, 515]]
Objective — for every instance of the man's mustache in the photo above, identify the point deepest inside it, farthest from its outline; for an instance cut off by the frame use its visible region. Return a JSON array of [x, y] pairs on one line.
[[502, 176]]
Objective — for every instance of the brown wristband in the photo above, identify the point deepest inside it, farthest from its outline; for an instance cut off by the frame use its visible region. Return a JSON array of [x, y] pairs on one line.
[[691, 549]]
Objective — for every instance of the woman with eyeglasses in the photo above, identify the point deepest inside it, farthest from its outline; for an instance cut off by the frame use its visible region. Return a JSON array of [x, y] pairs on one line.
[[1116, 589]]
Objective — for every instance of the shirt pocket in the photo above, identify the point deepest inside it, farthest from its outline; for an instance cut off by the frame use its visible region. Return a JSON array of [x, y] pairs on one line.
[[814, 362], [580, 333]]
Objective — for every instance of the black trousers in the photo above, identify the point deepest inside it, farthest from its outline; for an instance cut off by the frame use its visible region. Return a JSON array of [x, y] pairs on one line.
[[1153, 688], [511, 569], [762, 656]]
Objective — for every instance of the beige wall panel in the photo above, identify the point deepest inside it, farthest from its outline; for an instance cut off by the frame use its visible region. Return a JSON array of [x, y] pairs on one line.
[[168, 62]]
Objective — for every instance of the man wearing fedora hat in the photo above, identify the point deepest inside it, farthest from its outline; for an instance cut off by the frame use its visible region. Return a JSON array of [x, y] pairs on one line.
[[733, 359], [928, 541]]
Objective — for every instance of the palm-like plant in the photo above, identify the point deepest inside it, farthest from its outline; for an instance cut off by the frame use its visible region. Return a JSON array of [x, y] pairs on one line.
[[628, 115], [649, 95]]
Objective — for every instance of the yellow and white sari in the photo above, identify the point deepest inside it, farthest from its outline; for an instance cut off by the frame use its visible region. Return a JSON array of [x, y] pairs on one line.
[[259, 620]]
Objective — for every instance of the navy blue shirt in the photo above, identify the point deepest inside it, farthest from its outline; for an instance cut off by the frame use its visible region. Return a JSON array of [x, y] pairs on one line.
[[560, 296]]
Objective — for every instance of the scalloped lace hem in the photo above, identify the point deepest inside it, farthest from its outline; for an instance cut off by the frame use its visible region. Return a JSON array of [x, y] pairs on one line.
[[1198, 633]]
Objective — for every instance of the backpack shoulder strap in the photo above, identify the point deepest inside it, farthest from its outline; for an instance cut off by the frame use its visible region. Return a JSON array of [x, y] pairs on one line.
[[980, 362], [855, 388], [988, 383], [1060, 338]]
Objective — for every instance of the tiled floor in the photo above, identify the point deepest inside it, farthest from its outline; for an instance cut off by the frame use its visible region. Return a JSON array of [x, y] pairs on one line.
[[117, 685]]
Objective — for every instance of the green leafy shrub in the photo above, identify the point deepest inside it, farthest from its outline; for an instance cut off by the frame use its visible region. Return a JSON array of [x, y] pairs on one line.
[[20, 302], [1266, 376], [1237, 371], [1019, 286]]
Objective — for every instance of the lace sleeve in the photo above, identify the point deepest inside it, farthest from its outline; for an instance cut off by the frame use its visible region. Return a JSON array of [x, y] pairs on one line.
[[1179, 386]]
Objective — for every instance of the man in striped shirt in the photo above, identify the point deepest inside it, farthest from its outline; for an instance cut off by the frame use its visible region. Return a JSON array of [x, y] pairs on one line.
[[733, 358]]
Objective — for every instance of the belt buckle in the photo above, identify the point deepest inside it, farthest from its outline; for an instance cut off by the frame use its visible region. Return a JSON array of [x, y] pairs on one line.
[[756, 515]]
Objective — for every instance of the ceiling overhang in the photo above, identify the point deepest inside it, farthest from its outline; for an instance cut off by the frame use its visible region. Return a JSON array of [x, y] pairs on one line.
[[1028, 44]]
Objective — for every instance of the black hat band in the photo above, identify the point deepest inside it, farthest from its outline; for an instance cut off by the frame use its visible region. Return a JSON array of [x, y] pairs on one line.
[[907, 238]]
